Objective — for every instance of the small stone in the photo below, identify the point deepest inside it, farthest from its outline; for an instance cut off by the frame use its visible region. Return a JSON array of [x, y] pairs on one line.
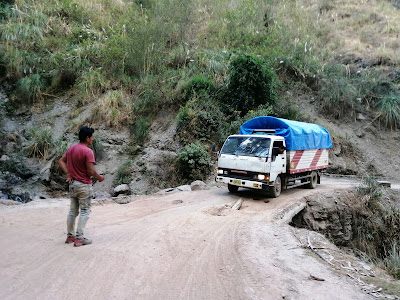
[[184, 188], [101, 195], [121, 189]]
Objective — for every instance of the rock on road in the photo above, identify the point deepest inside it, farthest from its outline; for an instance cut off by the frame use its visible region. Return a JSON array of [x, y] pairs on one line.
[[186, 245]]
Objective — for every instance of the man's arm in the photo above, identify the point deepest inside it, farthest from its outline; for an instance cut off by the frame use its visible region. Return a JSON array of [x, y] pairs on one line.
[[63, 165], [92, 172]]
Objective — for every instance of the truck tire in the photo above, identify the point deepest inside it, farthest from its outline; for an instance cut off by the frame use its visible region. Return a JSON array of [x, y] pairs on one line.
[[313, 180], [232, 188], [277, 188]]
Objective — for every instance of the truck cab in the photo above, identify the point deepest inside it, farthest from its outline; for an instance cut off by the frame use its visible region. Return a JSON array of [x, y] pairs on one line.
[[253, 161]]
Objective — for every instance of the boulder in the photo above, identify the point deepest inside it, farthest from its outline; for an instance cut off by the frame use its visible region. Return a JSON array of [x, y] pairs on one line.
[[45, 172], [198, 185], [122, 189]]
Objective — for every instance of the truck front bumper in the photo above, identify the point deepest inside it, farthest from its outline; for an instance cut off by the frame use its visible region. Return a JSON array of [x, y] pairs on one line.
[[251, 184]]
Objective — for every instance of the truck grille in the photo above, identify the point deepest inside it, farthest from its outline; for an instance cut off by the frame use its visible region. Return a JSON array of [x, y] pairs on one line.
[[239, 174]]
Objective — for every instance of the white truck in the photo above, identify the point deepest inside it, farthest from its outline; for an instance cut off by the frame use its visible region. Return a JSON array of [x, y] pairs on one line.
[[272, 154]]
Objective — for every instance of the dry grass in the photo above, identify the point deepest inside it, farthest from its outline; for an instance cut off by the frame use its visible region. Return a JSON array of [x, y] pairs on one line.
[[367, 28], [112, 109]]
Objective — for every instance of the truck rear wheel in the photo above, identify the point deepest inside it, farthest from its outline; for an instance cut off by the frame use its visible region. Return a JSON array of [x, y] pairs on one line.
[[277, 188], [313, 180], [233, 188]]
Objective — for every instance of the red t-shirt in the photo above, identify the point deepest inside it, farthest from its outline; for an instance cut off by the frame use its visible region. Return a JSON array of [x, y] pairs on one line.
[[77, 156]]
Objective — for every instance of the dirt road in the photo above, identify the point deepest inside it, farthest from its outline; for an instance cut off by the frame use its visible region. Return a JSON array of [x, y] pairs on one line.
[[186, 245]]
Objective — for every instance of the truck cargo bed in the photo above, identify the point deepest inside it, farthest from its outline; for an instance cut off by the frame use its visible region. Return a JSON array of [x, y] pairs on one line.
[[307, 160]]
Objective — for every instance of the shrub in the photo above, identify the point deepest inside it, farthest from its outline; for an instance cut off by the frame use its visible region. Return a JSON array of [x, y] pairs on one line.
[[392, 260], [338, 95], [112, 109], [250, 84], [40, 144], [124, 173], [200, 87], [193, 163], [92, 82], [140, 129], [199, 119], [60, 147], [377, 226], [30, 88], [370, 187], [388, 111], [289, 110]]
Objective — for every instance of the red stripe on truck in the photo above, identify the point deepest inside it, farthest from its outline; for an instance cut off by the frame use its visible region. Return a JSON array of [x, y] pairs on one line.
[[296, 158], [316, 158]]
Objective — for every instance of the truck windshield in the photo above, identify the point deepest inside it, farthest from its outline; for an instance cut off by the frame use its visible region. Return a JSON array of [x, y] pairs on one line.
[[246, 146]]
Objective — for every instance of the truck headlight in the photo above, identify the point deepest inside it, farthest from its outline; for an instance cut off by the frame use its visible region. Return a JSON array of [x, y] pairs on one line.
[[220, 172], [260, 177]]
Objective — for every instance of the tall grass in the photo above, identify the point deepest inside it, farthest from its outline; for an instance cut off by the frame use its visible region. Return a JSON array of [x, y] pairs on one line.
[[40, 144], [140, 130], [91, 83], [376, 226], [392, 260], [112, 110], [388, 111], [30, 88]]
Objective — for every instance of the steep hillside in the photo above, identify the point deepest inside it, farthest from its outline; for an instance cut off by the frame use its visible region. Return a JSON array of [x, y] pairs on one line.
[[156, 77]]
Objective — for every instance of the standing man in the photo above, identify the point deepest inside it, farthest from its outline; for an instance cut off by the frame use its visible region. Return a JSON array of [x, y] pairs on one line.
[[78, 164]]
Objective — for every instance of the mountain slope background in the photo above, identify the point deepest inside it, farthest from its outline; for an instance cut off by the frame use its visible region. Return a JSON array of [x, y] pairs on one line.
[[161, 81]]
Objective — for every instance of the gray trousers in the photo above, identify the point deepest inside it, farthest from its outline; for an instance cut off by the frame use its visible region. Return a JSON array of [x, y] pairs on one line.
[[81, 201]]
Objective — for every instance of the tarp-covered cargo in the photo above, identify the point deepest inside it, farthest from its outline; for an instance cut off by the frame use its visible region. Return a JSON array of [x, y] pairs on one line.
[[298, 135]]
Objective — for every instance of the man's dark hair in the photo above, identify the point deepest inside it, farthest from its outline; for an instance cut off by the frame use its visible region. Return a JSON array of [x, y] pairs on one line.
[[85, 132]]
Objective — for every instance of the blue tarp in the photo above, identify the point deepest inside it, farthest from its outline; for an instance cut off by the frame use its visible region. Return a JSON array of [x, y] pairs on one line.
[[298, 135]]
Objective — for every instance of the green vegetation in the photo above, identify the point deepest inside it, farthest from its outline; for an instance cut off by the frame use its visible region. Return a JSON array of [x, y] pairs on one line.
[[112, 109], [212, 65], [140, 130], [97, 147], [124, 173], [389, 110], [377, 226], [41, 143], [251, 84], [193, 163]]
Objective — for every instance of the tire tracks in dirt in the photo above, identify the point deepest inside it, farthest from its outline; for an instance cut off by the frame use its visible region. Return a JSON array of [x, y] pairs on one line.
[[189, 245]]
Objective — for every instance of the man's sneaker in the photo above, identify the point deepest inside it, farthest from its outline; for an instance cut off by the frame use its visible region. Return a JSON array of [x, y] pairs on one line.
[[70, 240], [81, 242]]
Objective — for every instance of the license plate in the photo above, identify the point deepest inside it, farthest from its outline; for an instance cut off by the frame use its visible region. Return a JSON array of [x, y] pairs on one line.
[[237, 182]]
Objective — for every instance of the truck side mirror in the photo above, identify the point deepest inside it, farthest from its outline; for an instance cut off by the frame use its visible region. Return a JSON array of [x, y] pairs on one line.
[[213, 147]]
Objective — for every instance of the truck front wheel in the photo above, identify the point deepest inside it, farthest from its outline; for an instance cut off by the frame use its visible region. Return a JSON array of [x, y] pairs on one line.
[[233, 188], [313, 180], [277, 188]]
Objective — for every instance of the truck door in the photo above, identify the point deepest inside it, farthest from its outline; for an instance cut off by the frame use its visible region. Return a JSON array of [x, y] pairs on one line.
[[278, 159]]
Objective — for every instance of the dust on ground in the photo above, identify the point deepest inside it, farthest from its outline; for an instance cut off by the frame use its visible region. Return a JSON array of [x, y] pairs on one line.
[[186, 245]]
